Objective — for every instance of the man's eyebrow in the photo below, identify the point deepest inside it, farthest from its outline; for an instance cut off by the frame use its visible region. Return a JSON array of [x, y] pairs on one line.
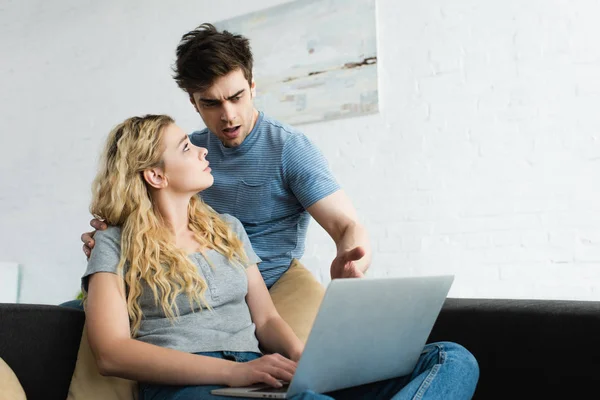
[[236, 95], [204, 100], [209, 100]]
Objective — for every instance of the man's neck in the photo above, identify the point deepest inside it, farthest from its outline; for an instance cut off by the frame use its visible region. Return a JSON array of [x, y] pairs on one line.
[[254, 119]]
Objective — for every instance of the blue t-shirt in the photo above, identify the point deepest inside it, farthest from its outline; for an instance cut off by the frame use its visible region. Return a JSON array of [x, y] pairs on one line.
[[267, 183]]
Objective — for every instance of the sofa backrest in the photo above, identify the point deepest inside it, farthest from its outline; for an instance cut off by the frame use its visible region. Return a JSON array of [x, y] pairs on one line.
[[527, 349], [40, 343]]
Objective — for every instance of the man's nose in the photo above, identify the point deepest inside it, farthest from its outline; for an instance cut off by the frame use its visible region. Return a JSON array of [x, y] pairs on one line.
[[228, 112]]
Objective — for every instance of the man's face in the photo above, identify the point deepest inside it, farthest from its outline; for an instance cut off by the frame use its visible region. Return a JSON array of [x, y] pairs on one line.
[[227, 109]]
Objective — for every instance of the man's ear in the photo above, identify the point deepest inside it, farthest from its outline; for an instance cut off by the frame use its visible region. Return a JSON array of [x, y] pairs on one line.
[[253, 89], [155, 177], [193, 103]]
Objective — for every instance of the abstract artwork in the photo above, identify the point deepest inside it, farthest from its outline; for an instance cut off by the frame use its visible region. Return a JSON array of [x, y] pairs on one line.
[[314, 60]]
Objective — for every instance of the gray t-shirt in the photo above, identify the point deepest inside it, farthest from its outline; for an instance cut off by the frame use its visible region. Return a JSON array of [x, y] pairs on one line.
[[227, 327]]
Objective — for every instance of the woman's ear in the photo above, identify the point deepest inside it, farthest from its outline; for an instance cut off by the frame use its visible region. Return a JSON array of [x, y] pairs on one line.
[[155, 177]]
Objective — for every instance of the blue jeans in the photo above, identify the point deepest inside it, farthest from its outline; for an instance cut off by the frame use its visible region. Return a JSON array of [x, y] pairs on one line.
[[78, 304], [445, 371]]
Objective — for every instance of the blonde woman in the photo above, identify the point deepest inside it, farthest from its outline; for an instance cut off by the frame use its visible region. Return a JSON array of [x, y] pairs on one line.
[[173, 296]]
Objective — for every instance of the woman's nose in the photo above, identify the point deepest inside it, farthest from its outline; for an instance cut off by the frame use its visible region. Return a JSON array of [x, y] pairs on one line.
[[202, 153]]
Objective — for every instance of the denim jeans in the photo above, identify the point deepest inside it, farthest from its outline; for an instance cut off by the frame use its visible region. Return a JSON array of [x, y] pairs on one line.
[[78, 304], [445, 371]]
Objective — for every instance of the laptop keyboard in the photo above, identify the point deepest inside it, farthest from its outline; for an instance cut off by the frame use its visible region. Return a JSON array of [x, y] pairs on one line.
[[271, 389]]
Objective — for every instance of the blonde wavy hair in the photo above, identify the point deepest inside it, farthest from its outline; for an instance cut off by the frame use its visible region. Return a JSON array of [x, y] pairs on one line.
[[120, 197]]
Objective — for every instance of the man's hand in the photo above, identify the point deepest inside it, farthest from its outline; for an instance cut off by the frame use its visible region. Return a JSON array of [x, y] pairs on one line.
[[88, 237], [269, 369], [343, 266]]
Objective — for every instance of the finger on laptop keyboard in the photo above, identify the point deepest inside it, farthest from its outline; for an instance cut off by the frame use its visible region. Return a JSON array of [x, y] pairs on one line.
[[280, 373], [268, 379], [283, 362]]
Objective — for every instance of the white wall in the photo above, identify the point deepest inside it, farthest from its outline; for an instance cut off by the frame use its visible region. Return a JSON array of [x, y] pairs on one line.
[[483, 162]]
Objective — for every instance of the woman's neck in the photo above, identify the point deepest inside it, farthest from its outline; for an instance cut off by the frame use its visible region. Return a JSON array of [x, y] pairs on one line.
[[173, 209]]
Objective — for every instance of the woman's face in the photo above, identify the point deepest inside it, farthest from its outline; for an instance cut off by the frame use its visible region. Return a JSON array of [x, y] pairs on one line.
[[185, 166]]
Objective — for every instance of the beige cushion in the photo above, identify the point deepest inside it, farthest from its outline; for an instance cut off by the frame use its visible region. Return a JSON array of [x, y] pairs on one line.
[[88, 384], [297, 296], [10, 387]]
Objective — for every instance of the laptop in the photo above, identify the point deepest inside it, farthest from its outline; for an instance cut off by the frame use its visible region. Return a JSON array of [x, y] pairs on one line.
[[366, 330]]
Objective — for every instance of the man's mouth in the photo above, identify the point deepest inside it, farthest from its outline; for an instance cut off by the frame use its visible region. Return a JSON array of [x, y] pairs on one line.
[[231, 133]]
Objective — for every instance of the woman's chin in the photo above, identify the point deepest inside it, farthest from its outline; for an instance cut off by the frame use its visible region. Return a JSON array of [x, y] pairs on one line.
[[205, 185]]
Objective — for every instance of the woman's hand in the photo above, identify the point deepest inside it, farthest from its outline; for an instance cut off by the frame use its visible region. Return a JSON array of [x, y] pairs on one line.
[[296, 354], [88, 237], [269, 369]]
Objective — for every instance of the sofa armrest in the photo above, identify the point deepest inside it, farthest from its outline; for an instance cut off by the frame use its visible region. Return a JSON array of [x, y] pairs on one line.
[[542, 349], [40, 344]]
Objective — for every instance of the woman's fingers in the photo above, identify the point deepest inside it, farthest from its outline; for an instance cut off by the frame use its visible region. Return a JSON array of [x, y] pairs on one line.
[[267, 378]]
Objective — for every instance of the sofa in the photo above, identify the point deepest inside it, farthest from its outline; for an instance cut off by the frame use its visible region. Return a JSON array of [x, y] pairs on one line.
[[526, 349]]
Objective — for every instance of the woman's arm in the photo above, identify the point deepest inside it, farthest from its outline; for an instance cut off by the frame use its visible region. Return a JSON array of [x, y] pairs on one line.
[[117, 354], [273, 333]]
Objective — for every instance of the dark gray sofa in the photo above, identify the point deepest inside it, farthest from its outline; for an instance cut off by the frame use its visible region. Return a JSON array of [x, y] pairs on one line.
[[526, 349]]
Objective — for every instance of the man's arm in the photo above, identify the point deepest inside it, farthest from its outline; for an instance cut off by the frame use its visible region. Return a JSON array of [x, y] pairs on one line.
[[336, 214], [307, 173]]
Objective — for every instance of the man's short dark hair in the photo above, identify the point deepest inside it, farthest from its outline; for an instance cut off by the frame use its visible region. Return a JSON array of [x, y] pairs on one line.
[[205, 54]]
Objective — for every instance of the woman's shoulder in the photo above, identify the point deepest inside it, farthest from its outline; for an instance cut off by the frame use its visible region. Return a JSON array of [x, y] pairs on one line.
[[107, 250], [234, 224], [110, 234], [230, 219]]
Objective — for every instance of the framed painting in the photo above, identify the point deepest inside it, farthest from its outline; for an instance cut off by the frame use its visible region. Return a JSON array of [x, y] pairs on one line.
[[314, 60]]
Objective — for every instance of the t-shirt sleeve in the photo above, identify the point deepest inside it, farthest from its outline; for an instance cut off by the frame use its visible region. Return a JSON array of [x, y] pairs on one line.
[[306, 171], [238, 229], [105, 254]]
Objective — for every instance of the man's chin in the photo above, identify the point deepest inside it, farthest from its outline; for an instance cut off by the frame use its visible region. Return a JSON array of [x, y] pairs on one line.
[[232, 142]]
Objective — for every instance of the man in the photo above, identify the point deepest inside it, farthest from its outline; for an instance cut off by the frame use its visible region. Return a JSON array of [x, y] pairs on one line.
[[267, 174]]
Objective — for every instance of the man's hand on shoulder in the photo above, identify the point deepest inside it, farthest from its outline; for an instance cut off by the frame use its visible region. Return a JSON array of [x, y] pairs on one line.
[[88, 237], [343, 266]]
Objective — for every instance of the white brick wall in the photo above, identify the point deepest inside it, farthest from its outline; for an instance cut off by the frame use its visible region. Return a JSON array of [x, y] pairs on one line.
[[483, 162]]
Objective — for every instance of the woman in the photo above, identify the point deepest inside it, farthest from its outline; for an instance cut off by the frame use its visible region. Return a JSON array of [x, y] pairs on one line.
[[173, 295]]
